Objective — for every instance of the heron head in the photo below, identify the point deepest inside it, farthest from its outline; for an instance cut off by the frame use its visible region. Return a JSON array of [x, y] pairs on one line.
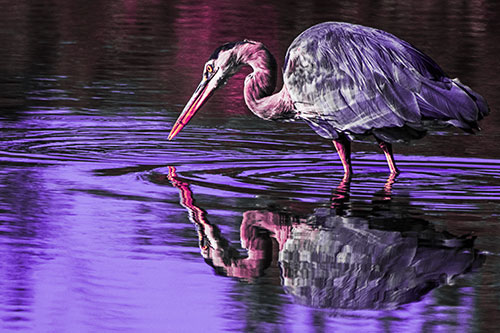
[[221, 65]]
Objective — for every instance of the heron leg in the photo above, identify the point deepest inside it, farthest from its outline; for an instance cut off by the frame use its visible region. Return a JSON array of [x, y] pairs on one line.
[[387, 149], [343, 146]]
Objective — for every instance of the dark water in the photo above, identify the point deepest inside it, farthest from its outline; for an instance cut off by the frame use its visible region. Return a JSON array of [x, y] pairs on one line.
[[238, 224]]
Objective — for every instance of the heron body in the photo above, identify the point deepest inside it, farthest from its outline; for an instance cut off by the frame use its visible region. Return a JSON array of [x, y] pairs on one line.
[[346, 81]]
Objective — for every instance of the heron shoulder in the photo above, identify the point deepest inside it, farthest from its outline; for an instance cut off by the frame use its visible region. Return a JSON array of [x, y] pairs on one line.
[[337, 43], [354, 79], [344, 77]]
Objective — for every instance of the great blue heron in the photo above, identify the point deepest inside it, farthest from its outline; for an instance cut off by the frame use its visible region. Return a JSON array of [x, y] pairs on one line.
[[346, 81]]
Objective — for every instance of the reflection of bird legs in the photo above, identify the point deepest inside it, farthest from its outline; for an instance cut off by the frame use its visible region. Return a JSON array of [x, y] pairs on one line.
[[341, 195], [388, 186]]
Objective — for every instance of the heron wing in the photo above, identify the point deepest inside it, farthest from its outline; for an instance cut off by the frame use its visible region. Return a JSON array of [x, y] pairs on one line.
[[358, 80]]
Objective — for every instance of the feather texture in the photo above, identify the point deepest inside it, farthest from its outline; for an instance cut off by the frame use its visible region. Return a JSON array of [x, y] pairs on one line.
[[356, 80]]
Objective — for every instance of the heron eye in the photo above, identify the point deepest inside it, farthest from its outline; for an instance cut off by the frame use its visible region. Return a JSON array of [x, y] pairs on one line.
[[210, 69]]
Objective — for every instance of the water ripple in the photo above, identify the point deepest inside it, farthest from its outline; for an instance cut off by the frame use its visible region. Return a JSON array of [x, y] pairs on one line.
[[245, 162]]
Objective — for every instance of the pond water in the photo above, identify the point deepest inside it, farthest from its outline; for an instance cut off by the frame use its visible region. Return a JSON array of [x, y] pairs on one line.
[[237, 224]]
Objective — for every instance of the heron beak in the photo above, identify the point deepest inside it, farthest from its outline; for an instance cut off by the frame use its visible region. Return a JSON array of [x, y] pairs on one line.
[[200, 96]]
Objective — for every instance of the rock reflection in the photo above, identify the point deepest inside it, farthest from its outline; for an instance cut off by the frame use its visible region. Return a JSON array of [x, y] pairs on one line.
[[334, 258]]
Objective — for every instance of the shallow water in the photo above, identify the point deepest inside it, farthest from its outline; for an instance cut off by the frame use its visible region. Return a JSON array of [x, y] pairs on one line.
[[105, 225]]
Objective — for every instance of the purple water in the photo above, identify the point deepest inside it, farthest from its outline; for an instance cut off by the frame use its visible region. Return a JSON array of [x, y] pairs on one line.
[[238, 224]]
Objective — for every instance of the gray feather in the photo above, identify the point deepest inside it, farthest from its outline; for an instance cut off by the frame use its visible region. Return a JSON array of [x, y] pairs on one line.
[[358, 80]]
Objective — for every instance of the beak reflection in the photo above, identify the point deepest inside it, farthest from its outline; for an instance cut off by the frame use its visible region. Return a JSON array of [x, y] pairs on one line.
[[383, 257]]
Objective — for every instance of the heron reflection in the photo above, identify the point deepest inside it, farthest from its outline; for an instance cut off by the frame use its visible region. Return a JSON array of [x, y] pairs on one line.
[[376, 259]]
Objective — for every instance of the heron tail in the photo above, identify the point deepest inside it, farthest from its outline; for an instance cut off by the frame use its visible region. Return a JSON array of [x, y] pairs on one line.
[[452, 102]]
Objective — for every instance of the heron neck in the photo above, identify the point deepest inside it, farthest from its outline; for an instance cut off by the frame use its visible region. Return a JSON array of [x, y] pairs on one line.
[[261, 83]]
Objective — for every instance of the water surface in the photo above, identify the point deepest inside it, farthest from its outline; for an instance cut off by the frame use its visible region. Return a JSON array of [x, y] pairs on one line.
[[237, 224]]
